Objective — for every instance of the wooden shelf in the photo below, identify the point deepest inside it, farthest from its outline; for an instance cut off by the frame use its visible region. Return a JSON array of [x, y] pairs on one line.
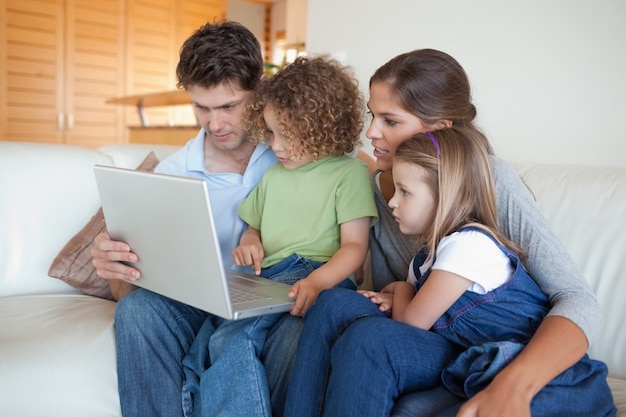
[[164, 98], [162, 135]]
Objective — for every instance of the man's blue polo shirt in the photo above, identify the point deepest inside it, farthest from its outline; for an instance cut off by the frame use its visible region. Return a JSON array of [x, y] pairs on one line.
[[226, 190]]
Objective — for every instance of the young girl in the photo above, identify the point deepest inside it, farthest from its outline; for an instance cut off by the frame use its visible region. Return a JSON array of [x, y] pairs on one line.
[[473, 296], [308, 218]]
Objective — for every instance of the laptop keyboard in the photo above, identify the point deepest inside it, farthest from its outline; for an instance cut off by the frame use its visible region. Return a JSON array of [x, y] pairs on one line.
[[244, 295]]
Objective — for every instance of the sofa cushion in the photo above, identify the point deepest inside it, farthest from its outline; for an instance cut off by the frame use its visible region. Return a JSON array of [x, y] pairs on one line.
[[618, 388], [57, 356], [73, 263]]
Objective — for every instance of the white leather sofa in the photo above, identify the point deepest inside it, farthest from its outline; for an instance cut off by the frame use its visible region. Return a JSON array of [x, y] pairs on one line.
[[57, 352]]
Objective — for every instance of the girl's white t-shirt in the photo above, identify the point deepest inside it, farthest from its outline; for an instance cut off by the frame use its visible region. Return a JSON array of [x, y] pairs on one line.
[[472, 255]]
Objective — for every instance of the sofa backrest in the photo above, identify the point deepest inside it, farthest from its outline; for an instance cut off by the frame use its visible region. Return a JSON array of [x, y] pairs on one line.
[[48, 193], [586, 207], [129, 155], [37, 216]]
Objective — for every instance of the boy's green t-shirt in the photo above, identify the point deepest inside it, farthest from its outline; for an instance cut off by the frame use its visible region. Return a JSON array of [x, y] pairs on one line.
[[300, 211]]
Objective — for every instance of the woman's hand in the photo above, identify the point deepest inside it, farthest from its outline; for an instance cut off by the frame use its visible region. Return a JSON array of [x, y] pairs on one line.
[[500, 398], [543, 359]]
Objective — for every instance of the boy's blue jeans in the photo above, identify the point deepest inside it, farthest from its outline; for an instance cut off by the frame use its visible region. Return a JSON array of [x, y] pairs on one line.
[[223, 370]]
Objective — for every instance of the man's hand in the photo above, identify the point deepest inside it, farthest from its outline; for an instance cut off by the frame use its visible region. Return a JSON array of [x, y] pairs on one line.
[[108, 256]]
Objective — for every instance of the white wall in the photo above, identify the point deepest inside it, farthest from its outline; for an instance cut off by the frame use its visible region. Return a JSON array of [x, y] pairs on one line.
[[249, 14], [548, 76], [296, 21], [279, 16]]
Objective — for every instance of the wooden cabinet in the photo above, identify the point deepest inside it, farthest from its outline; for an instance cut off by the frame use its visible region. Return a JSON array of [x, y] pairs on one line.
[[61, 60]]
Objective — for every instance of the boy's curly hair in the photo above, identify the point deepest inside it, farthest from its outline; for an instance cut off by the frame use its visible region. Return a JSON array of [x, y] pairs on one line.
[[316, 101]]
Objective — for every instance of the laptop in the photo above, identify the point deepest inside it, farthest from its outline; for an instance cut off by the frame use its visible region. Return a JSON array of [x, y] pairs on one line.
[[168, 222]]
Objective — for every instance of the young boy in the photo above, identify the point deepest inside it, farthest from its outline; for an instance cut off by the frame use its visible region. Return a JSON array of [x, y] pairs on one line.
[[308, 219]]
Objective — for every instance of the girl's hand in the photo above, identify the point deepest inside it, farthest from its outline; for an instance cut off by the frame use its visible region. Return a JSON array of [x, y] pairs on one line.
[[383, 300], [249, 254]]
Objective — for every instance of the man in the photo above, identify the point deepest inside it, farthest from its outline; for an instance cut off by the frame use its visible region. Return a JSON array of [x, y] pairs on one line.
[[220, 65]]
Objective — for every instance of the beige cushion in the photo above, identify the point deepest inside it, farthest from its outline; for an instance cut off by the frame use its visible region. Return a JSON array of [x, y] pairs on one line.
[[58, 356], [73, 263], [618, 388]]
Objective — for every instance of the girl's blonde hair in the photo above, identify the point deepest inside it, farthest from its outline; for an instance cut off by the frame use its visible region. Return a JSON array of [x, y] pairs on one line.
[[457, 161], [316, 101]]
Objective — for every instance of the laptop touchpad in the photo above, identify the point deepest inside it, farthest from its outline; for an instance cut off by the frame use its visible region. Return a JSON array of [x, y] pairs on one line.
[[250, 281]]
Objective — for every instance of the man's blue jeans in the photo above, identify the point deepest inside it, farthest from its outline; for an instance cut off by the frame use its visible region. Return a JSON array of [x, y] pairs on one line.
[[154, 334]]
